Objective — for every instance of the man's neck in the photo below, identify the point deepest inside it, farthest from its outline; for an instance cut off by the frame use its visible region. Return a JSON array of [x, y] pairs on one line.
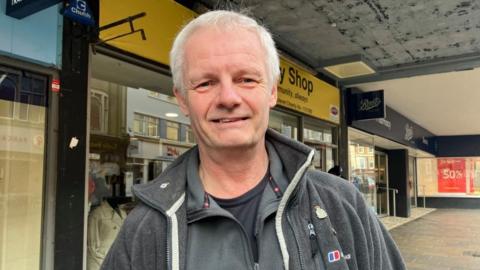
[[231, 173]]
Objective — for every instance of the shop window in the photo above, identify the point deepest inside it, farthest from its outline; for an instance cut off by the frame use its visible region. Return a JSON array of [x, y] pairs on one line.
[[284, 123], [313, 135], [22, 163], [145, 125], [8, 88], [98, 112], [448, 176], [371, 163], [172, 130], [22, 96], [362, 164], [318, 135], [327, 136]]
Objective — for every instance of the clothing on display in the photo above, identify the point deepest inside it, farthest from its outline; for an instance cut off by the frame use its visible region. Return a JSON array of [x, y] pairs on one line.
[[104, 223]]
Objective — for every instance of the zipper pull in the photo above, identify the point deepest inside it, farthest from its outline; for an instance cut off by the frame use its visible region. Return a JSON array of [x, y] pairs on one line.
[[313, 238]]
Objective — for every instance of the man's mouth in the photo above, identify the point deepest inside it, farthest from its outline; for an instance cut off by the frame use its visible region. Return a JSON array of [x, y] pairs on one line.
[[229, 120]]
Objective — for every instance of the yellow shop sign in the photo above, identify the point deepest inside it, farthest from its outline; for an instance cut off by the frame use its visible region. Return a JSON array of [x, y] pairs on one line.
[[161, 22], [303, 92]]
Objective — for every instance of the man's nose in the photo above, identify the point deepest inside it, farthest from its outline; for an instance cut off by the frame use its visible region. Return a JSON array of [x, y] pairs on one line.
[[228, 95]]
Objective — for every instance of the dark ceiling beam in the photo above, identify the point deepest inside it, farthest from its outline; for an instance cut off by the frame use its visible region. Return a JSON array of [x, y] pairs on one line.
[[447, 64]]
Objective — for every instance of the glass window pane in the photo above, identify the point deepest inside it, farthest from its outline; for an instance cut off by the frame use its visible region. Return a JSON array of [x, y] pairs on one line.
[[21, 181], [8, 86], [95, 113], [172, 130], [152, 126], [284, 123], [23, 107]]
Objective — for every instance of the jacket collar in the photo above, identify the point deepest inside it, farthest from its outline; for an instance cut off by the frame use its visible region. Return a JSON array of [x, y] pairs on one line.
[[166, 189]]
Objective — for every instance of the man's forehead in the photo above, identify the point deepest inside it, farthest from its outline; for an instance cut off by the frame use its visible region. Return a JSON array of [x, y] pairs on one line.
[[212, 42], [237, 33]]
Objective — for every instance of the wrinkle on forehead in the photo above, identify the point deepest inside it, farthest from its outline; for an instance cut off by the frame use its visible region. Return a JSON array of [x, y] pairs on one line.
[[243, 43]]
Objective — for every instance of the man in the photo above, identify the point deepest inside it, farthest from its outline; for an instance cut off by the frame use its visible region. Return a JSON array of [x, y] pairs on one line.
[[336, 170], [245, 198]]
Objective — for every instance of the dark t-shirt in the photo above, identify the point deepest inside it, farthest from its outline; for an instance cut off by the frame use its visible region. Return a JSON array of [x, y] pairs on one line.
[[244, 209]]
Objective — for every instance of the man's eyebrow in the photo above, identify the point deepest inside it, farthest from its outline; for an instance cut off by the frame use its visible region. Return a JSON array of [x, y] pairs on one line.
[[249, 71]]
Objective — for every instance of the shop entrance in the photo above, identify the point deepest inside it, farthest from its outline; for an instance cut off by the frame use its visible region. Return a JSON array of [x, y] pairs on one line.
[[412, 180], [383, 191]]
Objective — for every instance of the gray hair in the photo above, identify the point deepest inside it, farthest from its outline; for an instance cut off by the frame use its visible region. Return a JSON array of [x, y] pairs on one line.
[[225, 20]]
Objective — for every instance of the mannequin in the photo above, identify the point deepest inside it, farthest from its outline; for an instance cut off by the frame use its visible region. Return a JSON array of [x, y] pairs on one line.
[[104, 223]]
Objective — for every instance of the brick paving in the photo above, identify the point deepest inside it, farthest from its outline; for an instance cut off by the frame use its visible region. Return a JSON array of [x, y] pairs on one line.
[[445, 239]]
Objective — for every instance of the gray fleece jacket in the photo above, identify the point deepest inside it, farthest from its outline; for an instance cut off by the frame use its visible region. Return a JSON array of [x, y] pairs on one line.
[[319, 222]]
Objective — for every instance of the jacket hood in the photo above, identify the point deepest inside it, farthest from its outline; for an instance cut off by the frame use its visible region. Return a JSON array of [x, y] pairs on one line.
[[162, 192]]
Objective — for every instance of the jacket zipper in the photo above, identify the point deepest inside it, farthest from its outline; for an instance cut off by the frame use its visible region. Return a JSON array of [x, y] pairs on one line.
[[313, 238], [167, 243], [297, 237], [249, 245]]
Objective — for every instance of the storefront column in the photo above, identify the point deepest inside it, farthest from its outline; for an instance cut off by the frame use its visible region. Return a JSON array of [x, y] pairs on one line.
[[72, 147], [343, 134], [398, 179]]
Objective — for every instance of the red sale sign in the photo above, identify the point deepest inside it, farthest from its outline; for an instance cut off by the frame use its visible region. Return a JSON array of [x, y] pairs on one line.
[[451, 175]]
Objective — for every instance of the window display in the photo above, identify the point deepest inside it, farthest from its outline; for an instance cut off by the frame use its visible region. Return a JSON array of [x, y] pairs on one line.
[[104, 223], [448, 176], [135, 133], [23, 107]]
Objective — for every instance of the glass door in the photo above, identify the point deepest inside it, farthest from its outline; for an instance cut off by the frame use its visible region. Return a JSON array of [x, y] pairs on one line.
[[412, 181], [362, 166], [382, 183]]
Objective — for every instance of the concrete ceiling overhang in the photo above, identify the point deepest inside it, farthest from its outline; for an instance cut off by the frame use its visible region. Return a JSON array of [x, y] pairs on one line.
[[409, 43], [399, 38]]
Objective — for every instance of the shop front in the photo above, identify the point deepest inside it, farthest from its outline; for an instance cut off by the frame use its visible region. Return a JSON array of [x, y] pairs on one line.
[[29, 63], [383, 153], [136, 128], [308, 110]]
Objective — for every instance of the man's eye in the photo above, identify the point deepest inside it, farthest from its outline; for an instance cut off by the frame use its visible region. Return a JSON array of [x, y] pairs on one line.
[[247, 80], [203, 85]]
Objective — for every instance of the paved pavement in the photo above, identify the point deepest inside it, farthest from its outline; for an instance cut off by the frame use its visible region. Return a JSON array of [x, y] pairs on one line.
[[393, 222], [445, 239]]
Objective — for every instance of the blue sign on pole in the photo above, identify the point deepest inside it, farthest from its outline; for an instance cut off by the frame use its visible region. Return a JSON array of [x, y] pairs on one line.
[[79, 11], [22, 8]]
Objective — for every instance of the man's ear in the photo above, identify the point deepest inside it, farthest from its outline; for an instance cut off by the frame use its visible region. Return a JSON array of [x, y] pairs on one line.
[[273, 96], [182, 101]]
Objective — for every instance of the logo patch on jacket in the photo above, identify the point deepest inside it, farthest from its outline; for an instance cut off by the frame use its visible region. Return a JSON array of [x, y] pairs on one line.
[[334, 256]]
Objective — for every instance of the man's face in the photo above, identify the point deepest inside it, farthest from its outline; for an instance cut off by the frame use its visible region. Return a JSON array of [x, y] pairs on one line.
[[227, 94]]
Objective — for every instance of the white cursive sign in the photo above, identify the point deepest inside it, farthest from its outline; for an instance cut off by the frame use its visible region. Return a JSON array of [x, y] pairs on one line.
[[367, 105]]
